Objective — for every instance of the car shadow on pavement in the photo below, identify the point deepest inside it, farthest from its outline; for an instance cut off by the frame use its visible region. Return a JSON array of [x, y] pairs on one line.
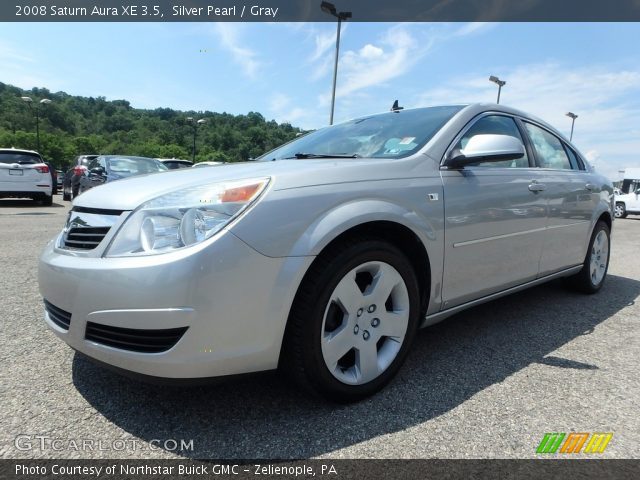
[[265, 417]]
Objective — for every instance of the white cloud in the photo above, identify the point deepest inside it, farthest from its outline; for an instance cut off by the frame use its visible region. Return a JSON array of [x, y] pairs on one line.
[[473, 28], [392, 56], [324, 41], [229, 36], [18, 68], [605, 99], [281, 108], [371, 51]]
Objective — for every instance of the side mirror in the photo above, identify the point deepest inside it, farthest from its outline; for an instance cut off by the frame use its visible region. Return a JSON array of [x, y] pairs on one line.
[[486, 148]]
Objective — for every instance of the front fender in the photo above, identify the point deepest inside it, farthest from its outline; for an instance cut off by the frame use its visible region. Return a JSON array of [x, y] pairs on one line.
[[302, 222], [353, 213]]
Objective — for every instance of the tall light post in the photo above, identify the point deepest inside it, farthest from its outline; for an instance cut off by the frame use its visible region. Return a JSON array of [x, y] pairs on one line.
[[500, 83], [573, 117], [195, 123], [29, 101], [330, 8]]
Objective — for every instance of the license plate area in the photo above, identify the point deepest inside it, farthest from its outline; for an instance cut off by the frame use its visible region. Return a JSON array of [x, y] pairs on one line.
[[15, 171]]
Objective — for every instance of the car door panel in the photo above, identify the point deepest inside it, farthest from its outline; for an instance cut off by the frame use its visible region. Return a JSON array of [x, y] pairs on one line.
[[571, 206], [572, 196], [494, 231]]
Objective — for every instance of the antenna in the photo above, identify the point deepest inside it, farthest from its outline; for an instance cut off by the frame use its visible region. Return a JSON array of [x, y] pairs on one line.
[[395, 107]]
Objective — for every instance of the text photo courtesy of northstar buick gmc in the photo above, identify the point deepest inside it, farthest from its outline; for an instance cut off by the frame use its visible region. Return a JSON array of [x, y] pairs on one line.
[[324, 256]]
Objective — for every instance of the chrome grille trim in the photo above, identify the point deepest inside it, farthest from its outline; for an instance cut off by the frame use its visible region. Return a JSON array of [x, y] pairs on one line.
[[84, 230]]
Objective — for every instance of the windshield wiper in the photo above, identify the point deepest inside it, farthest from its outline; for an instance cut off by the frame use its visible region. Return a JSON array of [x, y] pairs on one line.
[[320, 155]]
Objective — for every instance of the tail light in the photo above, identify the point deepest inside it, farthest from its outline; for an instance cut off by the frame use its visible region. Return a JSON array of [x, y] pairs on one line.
[[42, 169], [79, 170]]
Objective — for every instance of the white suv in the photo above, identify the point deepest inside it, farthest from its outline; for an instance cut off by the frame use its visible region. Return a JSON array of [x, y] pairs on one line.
[[24, 174]]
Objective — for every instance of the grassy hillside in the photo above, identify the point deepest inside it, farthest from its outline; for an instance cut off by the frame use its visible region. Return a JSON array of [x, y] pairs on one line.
[[72, 125]]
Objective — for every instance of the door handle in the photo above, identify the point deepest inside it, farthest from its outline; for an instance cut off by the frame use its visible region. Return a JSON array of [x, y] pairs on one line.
[[534, 186], [590, 186]]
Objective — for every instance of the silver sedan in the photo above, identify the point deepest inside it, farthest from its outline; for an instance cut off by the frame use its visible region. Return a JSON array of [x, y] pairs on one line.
[[325, 255]]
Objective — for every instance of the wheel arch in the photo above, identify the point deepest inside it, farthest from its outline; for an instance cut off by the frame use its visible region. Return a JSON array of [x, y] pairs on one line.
[[401, 236], [606, 218], [397, 234]]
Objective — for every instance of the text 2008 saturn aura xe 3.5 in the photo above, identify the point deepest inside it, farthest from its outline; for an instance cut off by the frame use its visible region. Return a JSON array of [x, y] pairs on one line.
[[326, 255]]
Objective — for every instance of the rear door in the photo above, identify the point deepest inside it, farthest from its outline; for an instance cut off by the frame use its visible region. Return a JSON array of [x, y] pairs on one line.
[[572, 197], [495, 219]]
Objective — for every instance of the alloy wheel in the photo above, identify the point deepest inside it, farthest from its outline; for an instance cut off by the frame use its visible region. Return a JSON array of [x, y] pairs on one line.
[[365, 323], [599, 257]]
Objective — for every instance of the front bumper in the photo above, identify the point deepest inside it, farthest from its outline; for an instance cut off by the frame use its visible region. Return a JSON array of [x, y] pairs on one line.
[[233, 301]]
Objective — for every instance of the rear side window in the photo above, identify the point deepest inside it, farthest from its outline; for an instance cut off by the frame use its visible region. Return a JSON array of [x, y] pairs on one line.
[[576, 164], [495, 125], [21, 158], [548, 148]]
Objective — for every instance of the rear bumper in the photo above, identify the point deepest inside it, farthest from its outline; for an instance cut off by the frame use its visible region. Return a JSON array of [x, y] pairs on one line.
[[25, 193], [24, 189]]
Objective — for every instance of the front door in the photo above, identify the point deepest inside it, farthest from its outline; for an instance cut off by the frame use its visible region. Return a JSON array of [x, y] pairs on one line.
[[495, 219]]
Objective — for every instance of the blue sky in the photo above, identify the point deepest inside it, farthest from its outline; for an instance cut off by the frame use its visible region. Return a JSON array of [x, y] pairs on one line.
[[284, 70]]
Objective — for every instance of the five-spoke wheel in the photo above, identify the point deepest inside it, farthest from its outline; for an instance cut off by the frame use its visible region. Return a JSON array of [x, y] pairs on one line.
[[353, 320]]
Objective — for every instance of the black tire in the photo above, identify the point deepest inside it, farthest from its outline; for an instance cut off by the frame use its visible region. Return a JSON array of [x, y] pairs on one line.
[[582, 281], [302, 356], [620, 210], [66, 196], [46, 200], [75, 191]]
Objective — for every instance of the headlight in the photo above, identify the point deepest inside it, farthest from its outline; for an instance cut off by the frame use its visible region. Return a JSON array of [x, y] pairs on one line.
[[184, 218]]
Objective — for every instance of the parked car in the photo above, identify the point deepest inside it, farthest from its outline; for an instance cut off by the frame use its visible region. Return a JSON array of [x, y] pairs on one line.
[[175, 163], [74, 174], [324, 256], [207, 164], [59, 179], [627, 199], [108, 168], [23, 173], [54, 178]]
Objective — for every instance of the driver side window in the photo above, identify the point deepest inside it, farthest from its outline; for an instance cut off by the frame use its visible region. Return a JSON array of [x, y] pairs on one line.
[[495, 125]]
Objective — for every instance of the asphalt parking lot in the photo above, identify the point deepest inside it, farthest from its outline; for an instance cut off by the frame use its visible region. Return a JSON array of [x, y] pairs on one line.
[[487, 383]]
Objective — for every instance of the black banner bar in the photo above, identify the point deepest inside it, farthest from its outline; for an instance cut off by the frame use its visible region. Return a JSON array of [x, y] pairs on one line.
[[319, 469], [309, 10]]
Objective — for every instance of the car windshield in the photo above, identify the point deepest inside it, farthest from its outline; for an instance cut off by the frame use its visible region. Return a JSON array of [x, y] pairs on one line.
[[21, 158], [386, 135], [128, 166]]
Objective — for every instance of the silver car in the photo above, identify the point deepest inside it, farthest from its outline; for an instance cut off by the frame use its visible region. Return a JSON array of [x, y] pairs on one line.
[[325, 256]]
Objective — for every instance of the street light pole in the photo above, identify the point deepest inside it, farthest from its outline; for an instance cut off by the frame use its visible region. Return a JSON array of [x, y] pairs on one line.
[[44, 101], [573, 117], [330, 8], [500, 83], [195, 124]]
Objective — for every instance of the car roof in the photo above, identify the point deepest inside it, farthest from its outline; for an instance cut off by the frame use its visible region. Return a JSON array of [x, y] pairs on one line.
[[477, 108], [18, 150], [129, 157]]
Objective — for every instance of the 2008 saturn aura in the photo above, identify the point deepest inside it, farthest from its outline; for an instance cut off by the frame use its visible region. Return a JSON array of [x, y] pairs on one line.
[[326, 255]]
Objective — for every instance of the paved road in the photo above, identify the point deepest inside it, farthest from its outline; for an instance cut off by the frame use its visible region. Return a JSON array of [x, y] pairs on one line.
[[486, 383]]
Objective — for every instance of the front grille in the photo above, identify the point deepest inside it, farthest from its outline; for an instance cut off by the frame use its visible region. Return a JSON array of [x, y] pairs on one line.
[[58, 316], [85, 238], [134, 340]]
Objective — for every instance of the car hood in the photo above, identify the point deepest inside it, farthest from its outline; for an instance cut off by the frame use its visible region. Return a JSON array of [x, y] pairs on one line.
[[129, 193]]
